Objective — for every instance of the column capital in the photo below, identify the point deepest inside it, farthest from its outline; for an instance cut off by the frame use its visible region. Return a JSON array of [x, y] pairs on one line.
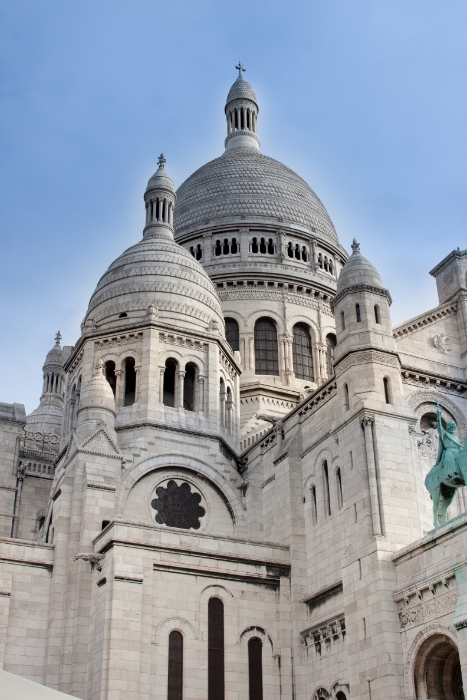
[[367, 421]]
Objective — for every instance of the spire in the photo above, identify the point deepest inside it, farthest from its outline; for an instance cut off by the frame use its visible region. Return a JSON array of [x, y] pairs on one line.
[[160, 201], [241, 111], [58, 338], [355, 246]]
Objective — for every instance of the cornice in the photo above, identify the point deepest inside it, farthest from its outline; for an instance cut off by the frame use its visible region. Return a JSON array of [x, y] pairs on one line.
[[361, 288], [426, 319]]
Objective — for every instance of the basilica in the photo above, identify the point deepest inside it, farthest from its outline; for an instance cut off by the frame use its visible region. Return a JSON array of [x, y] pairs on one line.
[[220, 495]]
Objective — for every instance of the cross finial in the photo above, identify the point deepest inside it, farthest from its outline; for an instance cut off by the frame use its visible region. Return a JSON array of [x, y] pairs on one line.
[[355, 246], [240, 69], [58, 338], [161, 160]]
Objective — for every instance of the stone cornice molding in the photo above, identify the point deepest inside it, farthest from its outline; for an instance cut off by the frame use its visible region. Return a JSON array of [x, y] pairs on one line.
[[359, 357], [361, 288], [445, 261], [243, 132], [431, 381], [414, 324], [274, 295]]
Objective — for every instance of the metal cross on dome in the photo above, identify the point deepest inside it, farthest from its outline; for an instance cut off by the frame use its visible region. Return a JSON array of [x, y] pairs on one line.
[[240, 69], [58, 338], [161, 160]]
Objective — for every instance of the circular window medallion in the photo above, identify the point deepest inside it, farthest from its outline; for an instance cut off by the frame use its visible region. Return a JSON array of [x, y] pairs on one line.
[[177, 506]]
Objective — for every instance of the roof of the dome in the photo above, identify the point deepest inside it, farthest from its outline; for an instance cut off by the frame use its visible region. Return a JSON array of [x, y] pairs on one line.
[[97, 393], [54, 356], [159, 272], [241, 89], [245, 184], [357, 271]]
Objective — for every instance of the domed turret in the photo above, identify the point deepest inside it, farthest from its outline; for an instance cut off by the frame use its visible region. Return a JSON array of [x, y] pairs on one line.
[[358, 271], [241, 111], [156, 273], [97, 404], [47, 418]]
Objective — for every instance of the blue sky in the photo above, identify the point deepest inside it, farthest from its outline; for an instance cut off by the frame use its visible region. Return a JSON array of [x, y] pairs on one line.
[[365, 99]]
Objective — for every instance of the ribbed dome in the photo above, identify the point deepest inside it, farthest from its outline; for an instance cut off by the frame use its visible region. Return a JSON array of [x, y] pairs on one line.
[[97, 393], [357, 271], [160, 179], [54, 356], [241, 89], [245, 184], [156, 271]]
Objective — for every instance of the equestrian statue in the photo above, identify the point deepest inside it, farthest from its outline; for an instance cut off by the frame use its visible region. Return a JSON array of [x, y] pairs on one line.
[[450, 471]]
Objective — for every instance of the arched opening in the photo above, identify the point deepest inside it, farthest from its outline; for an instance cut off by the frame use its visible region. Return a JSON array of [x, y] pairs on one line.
[[358, 313], [428, 420], [226, 247], [216, 684], [377, 314], [175, 670], [262, 246], [320, 260], [342, 321], [232, 333], [199, 252], [290, 250], [130, 382], [110, 375], [340, 497], [266, 348], [331, 342], [437, 672], [304, 254], [218, 248], [341, 696], [229, 410], [169, 382], [314, 506], [222, 397], [387, 389], [302, 352], [255, 668], [346, 397], [297, 251], [271, 247], [326, 488], [234, 247], [189, 387], [254, 245]]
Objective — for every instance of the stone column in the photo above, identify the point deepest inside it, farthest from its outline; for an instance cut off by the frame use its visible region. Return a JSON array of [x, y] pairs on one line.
[[161, 384], [200, 394], [180, 376], [251, 353], [222, 407], [367, 423]]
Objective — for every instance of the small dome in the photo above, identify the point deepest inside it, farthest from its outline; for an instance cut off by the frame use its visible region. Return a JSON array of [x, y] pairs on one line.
[[97, 393], [357, 271], [241, 90], [161, 179], [54, 356]]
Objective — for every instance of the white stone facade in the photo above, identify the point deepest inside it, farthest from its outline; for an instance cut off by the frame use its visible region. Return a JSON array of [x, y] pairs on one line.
[[221, 494]]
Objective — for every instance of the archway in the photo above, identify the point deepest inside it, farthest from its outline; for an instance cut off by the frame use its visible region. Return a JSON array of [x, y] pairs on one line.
[[437, 672]]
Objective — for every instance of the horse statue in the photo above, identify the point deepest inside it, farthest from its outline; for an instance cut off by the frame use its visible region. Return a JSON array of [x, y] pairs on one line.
[[450, 471]]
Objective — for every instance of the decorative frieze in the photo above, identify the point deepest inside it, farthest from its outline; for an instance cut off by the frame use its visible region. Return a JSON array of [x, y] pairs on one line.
[[430, 381], [426, 601], [118, 340], [365, 356], [183, 341], [76, 362], [318, 398]]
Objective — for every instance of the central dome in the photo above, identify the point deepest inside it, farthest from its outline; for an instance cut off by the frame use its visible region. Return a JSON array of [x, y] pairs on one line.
[[245, 184]]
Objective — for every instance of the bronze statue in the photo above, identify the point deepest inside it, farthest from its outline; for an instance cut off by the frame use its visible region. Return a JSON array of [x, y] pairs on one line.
[[450, 471]]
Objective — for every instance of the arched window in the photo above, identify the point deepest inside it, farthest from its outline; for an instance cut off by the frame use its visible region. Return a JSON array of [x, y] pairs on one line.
[[314, 506], [326, 263], [297, 251], [302, 352], [255, 668], [290, 250], [216, 685], [189, 387], [377, 314], [199, 252], [218, 248], [110, 374], [222, 397], [331, 267], [262, 246], [346, 397], [357, 312], [266, 349], [226, 247], [229, 410], [320, 260], [175, 675], [342, 321], [341, 696], [387, 389], [271, 247], [169, 382], [232, 333], [326, 488], [304, 254], [234, 247], [331, 343], [130, 382], [340, 497], [192, 251], [254, 245]]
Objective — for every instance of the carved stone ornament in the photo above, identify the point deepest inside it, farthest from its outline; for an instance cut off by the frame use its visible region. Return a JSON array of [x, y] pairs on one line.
[[442, 343], [177, 506]]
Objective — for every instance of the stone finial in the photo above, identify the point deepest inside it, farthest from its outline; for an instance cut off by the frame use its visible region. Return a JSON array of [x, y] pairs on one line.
[[99, 366], [151, 311], [240, 69], [161, 161], [58, 338], [355, 246]]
